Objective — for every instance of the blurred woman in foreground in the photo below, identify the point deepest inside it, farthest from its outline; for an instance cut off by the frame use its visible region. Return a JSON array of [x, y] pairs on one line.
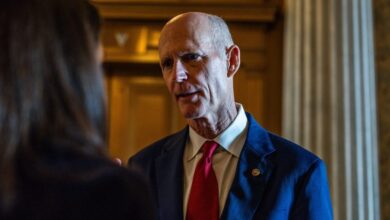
[[53, 162]]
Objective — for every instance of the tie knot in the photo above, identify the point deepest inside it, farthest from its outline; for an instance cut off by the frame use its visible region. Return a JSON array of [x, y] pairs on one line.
[[209, 147]]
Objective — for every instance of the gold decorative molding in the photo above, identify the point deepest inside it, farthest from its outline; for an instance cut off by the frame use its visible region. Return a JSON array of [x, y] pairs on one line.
[[131, 28], [148, 58], [162, 11]]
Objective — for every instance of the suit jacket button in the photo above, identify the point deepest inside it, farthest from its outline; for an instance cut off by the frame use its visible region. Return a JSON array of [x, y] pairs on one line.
[[256, 172]]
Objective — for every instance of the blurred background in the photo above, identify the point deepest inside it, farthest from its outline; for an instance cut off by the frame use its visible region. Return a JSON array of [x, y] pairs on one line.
[[316, 72]]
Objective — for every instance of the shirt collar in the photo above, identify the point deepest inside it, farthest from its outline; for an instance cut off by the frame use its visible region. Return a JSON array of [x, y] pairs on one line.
[[226, 139]]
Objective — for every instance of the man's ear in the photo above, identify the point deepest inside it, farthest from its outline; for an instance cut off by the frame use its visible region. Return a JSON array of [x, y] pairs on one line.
[[233, 59]]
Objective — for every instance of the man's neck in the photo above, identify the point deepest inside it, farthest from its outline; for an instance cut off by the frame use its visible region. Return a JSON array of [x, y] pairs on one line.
[[212, 125]]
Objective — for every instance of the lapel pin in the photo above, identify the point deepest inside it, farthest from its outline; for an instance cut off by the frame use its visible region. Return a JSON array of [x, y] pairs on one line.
[[255, 172]]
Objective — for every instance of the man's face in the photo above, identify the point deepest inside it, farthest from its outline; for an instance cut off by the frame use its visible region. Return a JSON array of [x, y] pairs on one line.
[[194, 71]]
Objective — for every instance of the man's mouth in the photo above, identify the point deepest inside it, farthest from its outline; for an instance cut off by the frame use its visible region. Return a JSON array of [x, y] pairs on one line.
[[185, 94]]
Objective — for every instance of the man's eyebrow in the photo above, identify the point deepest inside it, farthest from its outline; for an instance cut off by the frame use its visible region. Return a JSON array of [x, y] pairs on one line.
[[164, 58]]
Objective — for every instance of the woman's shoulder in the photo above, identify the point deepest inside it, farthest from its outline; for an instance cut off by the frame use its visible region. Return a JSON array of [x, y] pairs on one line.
[[79, 187], [116, 192]]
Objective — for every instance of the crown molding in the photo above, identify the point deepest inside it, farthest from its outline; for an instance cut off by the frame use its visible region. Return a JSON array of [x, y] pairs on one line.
[[163, 11]]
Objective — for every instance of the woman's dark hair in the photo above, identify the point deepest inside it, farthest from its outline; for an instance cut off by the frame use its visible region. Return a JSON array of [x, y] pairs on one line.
[[51, 86]]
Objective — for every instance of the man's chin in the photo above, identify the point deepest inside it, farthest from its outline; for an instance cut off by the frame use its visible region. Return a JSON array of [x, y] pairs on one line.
[[190, 114], [192, 110]]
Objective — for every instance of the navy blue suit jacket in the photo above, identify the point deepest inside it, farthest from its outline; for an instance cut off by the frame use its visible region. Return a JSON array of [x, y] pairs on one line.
[[292, 183]]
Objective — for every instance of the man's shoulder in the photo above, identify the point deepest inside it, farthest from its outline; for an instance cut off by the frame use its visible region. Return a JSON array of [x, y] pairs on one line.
[[286, 145], [292, 154], [282, 150]]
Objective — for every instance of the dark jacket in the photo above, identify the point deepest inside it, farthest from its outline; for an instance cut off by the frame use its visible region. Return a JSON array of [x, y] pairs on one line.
[[292, 183]]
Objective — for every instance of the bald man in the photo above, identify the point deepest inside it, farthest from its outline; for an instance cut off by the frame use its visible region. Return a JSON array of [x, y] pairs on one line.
[[223, 165]]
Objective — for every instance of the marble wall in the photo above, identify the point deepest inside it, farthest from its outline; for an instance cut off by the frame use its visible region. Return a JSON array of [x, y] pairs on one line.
[[382, 47]]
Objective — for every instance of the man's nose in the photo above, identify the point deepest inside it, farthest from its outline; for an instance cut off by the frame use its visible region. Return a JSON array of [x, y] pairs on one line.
[[180, 71]]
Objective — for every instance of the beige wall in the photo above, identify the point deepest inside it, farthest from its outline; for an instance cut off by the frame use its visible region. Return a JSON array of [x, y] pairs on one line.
[[382, 47]]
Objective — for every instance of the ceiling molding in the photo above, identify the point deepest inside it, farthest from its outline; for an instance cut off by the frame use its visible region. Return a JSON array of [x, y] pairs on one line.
[[157, 11]]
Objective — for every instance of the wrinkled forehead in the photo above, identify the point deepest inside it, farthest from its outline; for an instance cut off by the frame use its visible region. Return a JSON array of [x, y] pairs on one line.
[[186, 31]]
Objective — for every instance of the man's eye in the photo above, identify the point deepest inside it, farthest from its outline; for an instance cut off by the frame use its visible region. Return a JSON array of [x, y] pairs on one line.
[[167, 63], [190, 57]]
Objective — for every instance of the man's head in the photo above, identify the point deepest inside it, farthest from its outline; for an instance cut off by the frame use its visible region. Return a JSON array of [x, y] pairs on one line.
[[199, 59]]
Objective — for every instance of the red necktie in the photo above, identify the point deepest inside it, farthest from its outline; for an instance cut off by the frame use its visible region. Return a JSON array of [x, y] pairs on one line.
[[203, 203]]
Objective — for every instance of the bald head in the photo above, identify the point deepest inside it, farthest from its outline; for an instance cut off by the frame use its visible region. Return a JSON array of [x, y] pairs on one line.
[[209, 27], [198, 61]]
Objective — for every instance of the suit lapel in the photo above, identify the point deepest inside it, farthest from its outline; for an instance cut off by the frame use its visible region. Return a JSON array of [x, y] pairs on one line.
[[249, 184], [169, 177]]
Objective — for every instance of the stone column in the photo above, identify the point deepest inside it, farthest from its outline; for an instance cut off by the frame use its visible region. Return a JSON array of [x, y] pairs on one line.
[[329, 101]]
